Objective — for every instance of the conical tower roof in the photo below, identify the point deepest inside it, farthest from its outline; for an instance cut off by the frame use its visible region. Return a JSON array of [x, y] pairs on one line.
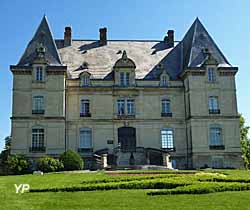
[[44, 37]]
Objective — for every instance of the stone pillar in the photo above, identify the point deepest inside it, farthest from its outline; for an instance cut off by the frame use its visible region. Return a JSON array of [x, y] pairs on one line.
[[104, 160], [166, 160]]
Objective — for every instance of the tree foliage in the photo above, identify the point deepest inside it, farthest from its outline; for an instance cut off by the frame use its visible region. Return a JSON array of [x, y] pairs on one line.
[[245, 142], [18, 164]]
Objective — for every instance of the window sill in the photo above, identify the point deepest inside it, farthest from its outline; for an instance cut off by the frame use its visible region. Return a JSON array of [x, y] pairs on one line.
[[37, 111], [85, 115], [37, 149], [214, 111], [217, 147], [169, 149], [85, 149], [166, 114]]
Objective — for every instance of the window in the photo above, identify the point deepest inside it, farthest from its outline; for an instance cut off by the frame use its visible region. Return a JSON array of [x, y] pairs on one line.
[[213, 105], [164, 80], [39, 73], [121, 106], [124, 78], [85, 81], [85, 138], [215, 136], [126, 106], [37, 139], [130, 106], [165, 106], [84, 112], [211, 74], [38, 105], [167, 138]]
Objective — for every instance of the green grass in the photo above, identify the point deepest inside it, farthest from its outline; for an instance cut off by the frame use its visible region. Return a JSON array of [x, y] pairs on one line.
[[115, 199]]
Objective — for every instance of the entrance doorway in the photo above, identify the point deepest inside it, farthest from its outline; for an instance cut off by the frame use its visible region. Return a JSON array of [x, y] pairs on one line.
[[127, 139]]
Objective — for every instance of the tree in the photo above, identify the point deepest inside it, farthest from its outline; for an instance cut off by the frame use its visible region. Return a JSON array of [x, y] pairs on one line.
[[245, 142], [6, 152]]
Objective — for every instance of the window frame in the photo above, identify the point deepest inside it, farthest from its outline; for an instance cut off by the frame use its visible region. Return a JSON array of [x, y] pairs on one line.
[[215, 131], [130, 106], [85, 80], [38, 139], [38, 106], [124, 78], [211, 72], [121, 102], [89, 145], [167, 139], [85, 108], [39, 73]]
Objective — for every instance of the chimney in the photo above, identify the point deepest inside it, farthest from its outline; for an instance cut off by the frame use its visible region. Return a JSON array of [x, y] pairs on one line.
[[103, 36], [169, 39], [67, 36]]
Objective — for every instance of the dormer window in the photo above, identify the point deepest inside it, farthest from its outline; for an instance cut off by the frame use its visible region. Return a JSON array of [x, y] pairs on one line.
[[39, 73], [124, 78], [124, 69], [211, 74], [164, 81], [85, 79]]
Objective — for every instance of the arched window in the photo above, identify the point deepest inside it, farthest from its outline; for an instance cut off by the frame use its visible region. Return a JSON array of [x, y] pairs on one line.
[[38, 139]]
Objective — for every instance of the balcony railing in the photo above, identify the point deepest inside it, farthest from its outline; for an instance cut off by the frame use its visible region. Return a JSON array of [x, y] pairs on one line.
[[214, 111], [125, 116], [217, 147], [37, 149], [37, 111], [85, 114], [166, 114]]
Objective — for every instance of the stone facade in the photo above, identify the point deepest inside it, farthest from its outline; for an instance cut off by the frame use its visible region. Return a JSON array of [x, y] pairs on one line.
[[58, 119]]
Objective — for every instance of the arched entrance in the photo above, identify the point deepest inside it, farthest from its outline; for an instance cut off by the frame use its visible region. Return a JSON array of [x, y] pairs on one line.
[[127, 139]]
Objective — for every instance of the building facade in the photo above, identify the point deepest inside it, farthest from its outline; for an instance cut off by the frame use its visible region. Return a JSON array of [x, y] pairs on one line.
[[132, 100]]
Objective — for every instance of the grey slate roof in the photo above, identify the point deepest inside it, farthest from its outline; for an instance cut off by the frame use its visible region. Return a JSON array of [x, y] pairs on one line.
[[43, 35], [99, 60], [194, 42]]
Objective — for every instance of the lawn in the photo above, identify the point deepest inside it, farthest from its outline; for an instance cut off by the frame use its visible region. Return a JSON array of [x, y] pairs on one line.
[[119, 199]]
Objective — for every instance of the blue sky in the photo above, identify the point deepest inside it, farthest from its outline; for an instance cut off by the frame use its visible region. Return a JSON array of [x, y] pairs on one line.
[[227, 21]]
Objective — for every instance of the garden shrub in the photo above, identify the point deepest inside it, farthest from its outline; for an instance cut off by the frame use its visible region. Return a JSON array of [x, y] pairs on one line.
[[49, 164], [71, 161], [18, 164]]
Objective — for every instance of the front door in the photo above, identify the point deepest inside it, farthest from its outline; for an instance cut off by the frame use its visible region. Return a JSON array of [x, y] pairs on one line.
[[127, 139]]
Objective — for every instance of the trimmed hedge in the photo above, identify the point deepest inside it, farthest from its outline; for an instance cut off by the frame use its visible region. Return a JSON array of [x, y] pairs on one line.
[[203, 188], [146, 184], [49, 164], [71, 161], [126, 179]]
